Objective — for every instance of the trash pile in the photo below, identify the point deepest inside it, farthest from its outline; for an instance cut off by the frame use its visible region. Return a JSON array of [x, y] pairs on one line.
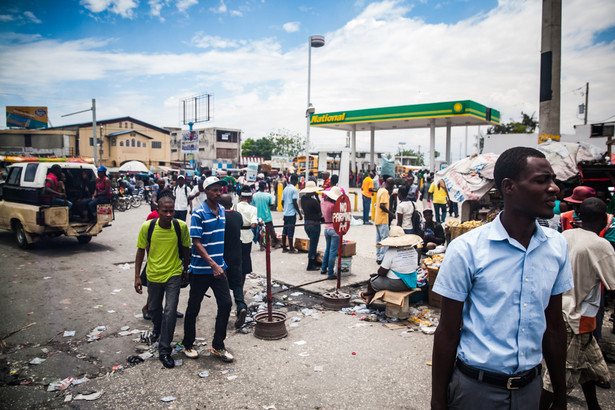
[[421, 318]]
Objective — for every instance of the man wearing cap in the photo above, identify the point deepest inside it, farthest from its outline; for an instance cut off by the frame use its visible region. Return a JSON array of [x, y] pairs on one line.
[[264, 202], [332, 239], [207, 267], [290, 195], [504, 281], [197, 196], [249, 216], [102, 192], [571, 219], [181, 192], [382, 215]]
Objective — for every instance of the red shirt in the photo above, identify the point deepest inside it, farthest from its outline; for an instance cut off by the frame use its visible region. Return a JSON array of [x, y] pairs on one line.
[[53, 185]]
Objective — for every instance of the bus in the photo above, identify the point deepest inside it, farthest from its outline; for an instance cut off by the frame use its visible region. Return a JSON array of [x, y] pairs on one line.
[[299, 164]]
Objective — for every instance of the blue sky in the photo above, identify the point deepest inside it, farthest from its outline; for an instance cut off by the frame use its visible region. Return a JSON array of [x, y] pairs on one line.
[[141, 57]]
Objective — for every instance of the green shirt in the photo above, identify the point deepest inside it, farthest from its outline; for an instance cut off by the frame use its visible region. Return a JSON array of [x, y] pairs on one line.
[[163, 256]]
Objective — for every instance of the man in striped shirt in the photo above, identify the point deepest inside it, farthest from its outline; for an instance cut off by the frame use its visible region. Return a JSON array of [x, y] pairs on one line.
[[207, 267]]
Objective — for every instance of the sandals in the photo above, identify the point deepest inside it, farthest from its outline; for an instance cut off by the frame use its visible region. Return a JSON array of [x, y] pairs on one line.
[[367, 299]]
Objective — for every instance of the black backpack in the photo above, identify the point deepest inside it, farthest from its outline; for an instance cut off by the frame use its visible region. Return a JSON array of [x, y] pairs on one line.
[[150, 231]]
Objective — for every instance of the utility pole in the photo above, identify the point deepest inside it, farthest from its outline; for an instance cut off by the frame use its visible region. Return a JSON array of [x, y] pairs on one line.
[[94, 139], [586, 101], [550, 70]]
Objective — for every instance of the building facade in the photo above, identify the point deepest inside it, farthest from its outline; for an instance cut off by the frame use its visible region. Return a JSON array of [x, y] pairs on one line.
[[216, 146]]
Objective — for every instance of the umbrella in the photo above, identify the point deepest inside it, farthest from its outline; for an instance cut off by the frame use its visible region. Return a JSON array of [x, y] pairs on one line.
[[134, 166]]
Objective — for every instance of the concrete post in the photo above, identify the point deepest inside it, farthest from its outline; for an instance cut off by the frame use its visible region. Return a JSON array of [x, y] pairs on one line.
[[550, 68], [372, 138], [432, 145], [448, 143]]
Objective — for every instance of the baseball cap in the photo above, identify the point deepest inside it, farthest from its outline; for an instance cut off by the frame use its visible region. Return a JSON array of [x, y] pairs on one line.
[[181, 176], [580, 194], [213, 180], [102, 168]]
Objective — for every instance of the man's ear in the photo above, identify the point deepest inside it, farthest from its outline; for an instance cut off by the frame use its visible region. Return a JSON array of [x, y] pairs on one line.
[[508, 186]]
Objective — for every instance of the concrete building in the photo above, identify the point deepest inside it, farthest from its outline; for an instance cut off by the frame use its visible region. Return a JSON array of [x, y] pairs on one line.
[[39, 142], [217, 146]]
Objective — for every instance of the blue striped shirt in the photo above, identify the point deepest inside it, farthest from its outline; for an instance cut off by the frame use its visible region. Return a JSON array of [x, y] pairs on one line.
[[209, 228]]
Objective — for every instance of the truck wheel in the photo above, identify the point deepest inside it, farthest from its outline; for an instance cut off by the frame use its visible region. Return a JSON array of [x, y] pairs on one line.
[[84, 239], [20, 235]]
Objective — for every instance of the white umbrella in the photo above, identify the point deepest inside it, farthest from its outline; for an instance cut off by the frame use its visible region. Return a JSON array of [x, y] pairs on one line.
[[134, 166]]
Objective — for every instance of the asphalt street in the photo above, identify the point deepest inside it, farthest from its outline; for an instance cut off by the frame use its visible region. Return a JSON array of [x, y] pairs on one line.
[[328, 360]]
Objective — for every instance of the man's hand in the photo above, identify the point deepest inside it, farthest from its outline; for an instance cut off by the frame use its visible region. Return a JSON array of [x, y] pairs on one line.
[[300, 217], [218, 271], [138, 285]]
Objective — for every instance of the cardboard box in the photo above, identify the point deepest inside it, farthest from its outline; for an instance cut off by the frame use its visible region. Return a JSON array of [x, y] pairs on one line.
[[302, 244], [349, 248], [435, 299]]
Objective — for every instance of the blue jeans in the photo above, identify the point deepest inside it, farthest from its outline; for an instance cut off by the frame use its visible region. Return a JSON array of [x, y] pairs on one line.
[[367, 204], [313, 232], [440, 210], [60, 202], [328, 261], [164, 323], [100, 199], [382, 232], [181, 215], [289, 226]]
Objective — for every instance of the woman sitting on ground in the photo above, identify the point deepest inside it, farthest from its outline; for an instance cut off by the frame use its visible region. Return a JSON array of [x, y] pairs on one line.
[[397, 271]]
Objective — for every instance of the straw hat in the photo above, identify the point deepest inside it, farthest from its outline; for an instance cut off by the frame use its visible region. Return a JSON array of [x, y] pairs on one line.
[[309, 188], [334, 193], [399, 239]]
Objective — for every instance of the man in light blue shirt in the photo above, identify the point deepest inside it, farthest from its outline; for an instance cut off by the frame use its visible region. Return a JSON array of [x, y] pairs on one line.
[[502, 287], [290, 195]]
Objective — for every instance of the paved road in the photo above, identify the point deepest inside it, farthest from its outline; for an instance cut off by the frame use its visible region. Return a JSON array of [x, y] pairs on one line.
[[328, 360]]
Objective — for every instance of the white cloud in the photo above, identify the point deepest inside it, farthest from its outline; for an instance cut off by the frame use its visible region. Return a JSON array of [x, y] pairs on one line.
[[236, 13], [381, 57], [220, 9], [124, 8], [155, 8], [183, 5], [6, 18], [291, 27], [202, 40], [31, 17]]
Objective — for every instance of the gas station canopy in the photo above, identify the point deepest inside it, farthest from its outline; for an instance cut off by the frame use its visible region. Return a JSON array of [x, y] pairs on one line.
[[443, 114], [454, 113]]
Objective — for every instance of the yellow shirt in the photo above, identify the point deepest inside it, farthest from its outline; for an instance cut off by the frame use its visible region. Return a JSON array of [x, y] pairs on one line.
[[382, 197], [368, 184], [439, 194]]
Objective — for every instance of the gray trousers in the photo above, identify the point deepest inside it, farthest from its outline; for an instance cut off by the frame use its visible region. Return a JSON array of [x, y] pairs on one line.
[[467, 393]]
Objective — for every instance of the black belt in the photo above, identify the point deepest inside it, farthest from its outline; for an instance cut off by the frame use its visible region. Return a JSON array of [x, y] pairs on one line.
[[511, 382]]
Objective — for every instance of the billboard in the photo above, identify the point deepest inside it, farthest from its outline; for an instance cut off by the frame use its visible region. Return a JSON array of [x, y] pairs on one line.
[[26, 117], [190, 141]]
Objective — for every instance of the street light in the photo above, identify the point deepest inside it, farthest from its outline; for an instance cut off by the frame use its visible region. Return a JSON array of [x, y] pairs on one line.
[[313, 41]]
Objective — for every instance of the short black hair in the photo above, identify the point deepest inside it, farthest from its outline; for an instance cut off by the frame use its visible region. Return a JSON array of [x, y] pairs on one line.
[[166, 198], [403, 191], [334, 179], [294, 179], [512, 162], [592, 210], [165, 193]]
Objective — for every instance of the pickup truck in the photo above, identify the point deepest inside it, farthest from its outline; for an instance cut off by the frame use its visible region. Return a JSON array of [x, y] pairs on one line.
[[23, 212]]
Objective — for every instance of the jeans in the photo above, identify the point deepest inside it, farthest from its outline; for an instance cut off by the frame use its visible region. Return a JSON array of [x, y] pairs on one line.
[[235, 283], [367, 204], [164, 323], [246, 259], [61, 202], [440, 210], [181, 215], [454, 209], [313, 233], [100, 199], [328, 261], [199, 284], [382, 232]]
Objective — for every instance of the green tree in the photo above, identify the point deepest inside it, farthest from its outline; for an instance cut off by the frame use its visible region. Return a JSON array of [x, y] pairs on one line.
[[527, 125], [262, 147], [287, 143], [419, 157]]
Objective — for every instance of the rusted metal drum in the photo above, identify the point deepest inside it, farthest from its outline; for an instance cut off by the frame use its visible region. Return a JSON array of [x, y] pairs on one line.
[[270, 330], [336, 300]]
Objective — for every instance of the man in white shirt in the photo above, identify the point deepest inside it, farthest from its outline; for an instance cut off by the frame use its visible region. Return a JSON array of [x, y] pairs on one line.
[[197, 195], [180, 192], [593, 263]]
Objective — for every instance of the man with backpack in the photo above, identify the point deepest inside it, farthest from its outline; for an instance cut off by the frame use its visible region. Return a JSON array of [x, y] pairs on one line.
[[165, 272]]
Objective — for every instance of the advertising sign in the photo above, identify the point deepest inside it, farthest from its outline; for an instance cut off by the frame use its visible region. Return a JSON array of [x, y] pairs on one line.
[[190, 141], [26, 117]]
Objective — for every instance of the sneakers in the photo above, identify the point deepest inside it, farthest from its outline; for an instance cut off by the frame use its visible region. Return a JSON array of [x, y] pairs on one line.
[[223, 354], [167, 361], [190, 353]]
